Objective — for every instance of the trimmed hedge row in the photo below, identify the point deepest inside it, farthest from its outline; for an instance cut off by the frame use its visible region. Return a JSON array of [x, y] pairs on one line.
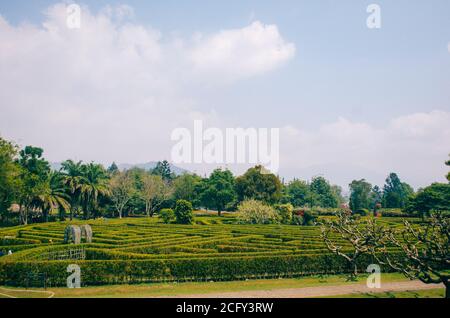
[[136, 271]]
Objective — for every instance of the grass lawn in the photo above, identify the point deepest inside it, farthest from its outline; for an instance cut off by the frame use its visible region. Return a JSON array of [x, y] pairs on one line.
[[429, 293], [177, 289]]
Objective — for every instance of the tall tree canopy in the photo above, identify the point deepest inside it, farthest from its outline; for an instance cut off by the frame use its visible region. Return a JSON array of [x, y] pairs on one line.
[[323, 194], [395, 192], [360, 195], [219, 190], [297, 192], [9, 172], [257, 184]]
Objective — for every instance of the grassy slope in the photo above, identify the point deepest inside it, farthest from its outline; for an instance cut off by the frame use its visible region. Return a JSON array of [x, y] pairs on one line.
[[174, 289]]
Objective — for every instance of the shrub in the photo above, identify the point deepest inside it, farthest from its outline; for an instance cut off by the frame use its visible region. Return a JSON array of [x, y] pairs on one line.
[[167, 215], [183, 212], [256, 212], [303, 217], [362, 212], [284, 212]]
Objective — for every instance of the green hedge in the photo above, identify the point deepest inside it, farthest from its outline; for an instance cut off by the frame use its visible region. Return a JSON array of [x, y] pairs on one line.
[[134, 271]]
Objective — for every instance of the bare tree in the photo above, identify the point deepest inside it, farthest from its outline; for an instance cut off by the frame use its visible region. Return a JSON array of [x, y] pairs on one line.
[[350, 238], [154, 192], [425, 251], [122, 190]]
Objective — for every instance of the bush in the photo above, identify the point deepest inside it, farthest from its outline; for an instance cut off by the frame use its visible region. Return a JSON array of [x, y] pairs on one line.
[[183, 212], [362, 212], [167, 215], [256, 212], [303, 217], [284, 212]]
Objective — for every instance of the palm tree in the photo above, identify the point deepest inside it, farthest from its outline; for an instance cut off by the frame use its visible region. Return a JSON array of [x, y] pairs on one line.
[[73, 178], [53, 195], [94, 184]]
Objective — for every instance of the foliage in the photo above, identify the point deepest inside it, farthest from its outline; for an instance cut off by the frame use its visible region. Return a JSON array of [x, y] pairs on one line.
[[218, 190], [435, 197], [167, 215], [9, 176], [395, 192], [297, 193], [122, 190], [186, 187], [183, 212], [259, 185], [284, 212], [155, 191], [360, 195], [303, 217], [256, 212], [322, 193], [163, 170]]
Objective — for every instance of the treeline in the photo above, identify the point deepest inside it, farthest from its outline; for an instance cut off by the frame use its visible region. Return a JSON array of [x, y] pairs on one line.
[[30, 191]]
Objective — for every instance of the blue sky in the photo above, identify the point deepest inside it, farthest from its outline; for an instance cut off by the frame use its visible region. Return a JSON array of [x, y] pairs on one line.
[[340, 69]]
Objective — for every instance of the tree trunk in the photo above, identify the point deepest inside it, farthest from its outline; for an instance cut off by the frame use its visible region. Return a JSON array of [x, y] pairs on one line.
[[219, 212], [447, 289]]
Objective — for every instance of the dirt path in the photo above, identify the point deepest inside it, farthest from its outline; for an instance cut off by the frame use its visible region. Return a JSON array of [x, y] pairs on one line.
[[319, 291]]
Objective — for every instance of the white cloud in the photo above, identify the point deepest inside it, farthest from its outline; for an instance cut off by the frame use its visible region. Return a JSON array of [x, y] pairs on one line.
[[244, 52], [414, 145], [114, 89]]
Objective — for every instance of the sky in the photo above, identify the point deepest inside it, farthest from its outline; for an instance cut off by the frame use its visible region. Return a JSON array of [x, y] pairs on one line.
[[350, 102]]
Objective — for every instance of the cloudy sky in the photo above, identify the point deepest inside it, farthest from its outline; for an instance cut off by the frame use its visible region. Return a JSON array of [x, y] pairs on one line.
[[350, 102]]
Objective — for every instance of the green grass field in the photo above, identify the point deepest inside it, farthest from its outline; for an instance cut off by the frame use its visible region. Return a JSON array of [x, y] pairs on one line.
[[430, 293], [180, 289]]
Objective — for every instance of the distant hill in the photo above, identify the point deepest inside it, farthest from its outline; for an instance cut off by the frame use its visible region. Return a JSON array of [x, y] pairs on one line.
[[126, 166]]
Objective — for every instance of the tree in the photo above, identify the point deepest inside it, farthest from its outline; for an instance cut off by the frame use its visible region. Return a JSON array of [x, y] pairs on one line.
[[284, 212], [395, 192], [435, 197], [72, 178], [54, 196], [9, 175], [297, 193], [347, 237], [185, 187], [113, 168], [163, 169], [259, 185], [322, 193], [33, 175], [167, 215], [94, 184], [425, 251], [256, 212], [360, 195], [447, 163], [218, 190], [154, 192], [183, 212], [376, 197], [122, 190]]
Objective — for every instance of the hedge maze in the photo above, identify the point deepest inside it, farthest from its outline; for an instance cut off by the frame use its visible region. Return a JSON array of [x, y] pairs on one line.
[[145, 250]]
